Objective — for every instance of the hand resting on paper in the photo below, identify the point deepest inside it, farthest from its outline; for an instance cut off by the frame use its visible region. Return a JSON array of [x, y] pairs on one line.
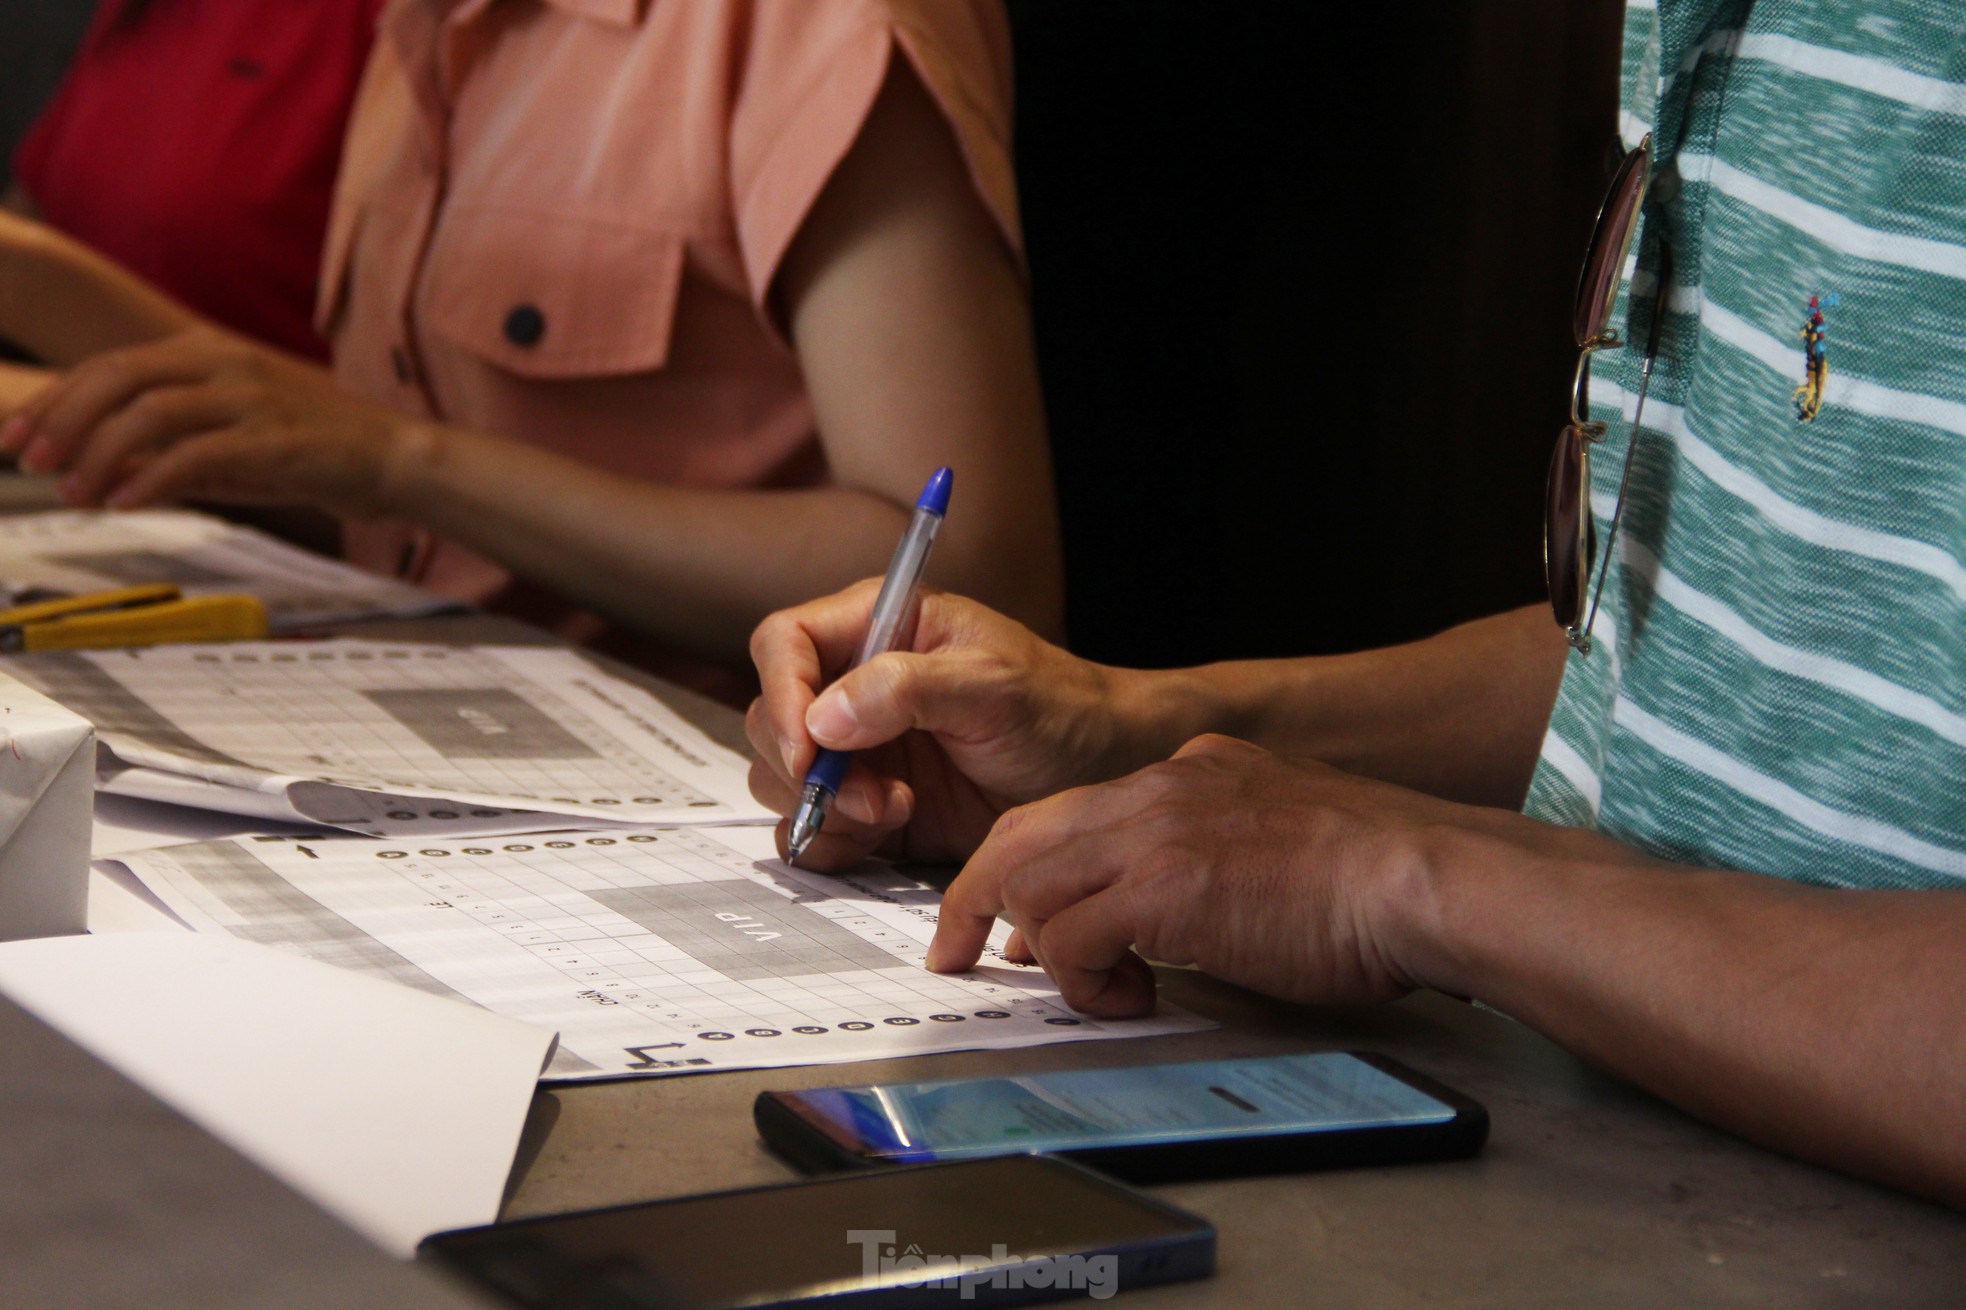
[[204, 414]]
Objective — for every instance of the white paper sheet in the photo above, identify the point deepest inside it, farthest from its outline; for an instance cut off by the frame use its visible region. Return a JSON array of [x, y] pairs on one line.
[[96, 550], [117, 901], [124, 823], [47, 760], [652, 951], [397, 1111], [396, 739]]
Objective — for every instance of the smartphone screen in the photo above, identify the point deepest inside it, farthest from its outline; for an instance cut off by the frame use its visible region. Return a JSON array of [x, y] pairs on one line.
[[1087, 1109]]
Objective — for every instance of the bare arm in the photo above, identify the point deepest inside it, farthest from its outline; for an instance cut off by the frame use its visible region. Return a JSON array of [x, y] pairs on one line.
[[62, 302], [909, 318], [1827, 1023], [979, 715], [19, 383], [1459, 715], [913, 333]]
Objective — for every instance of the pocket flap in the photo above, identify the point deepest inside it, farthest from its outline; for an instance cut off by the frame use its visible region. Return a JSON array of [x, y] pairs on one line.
[[553, 295]]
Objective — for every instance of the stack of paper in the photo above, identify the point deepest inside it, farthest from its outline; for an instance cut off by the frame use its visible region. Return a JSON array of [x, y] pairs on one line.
[[393, 739], [81, 551]]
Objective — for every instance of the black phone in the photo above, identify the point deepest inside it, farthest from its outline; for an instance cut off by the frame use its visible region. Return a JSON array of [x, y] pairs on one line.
[[1148, 1123], [1007, 1231]]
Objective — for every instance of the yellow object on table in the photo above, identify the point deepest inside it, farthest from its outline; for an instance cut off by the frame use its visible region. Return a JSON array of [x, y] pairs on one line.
[[150, 615]]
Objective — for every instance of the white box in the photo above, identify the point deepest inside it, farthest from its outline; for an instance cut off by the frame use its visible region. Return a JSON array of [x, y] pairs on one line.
[[47, 797]]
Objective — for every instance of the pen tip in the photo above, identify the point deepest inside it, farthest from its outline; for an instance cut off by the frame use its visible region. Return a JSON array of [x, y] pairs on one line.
[[798, 838]]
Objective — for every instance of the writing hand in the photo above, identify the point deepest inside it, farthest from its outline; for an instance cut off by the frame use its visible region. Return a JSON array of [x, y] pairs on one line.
[[972, 715]]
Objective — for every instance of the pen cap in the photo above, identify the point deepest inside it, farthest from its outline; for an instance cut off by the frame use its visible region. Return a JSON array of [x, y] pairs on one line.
[[935, 496]]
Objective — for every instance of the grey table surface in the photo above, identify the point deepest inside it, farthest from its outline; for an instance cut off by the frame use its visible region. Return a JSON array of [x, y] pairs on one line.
[[1588, 1194]]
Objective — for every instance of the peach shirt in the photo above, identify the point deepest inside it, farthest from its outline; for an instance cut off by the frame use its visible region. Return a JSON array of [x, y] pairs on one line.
[[558, 220]]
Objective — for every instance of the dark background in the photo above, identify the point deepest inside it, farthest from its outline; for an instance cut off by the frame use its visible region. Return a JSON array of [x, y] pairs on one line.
[[36, 39], [1302, 277]]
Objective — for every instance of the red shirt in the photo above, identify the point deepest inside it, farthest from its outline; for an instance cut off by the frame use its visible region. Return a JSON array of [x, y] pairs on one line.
[[198, 145]]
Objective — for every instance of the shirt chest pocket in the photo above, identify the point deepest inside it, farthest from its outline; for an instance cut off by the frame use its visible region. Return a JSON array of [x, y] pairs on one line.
[[550, 295]]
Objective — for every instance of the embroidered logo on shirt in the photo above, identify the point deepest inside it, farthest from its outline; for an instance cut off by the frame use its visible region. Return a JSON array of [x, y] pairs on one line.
[[1808, 397]]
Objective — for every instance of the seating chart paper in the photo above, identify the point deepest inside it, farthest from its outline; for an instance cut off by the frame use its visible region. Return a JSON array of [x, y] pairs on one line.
[[652, 951], [81, 551], [387, 738]]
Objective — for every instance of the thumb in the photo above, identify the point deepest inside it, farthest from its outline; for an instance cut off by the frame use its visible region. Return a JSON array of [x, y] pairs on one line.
[[893, 693]]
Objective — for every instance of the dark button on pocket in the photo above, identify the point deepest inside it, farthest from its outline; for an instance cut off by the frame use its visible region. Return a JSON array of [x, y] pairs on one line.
[[525, 325]]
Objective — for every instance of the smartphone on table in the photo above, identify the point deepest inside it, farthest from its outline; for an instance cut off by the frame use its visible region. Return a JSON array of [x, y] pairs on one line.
[[1150, 1123], [1007, 1231]]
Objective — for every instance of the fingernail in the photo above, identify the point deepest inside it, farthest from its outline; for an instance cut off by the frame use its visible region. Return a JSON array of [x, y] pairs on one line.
[[121, 498], [831, 717], [70, 487], [39, 457], [790, 754]]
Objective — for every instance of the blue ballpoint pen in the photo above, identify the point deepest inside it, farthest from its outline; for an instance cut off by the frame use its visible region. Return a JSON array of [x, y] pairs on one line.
[[898, 588]]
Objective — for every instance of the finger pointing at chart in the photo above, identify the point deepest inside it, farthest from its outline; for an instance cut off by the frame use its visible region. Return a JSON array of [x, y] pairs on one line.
[[1281, 876]]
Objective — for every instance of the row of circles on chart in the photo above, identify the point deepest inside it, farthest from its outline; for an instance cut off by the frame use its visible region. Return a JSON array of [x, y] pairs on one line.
[[863, 1025], [406, 816], [515, 848]]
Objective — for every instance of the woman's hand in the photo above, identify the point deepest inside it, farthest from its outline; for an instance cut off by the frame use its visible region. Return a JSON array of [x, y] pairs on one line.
[[206, 415]]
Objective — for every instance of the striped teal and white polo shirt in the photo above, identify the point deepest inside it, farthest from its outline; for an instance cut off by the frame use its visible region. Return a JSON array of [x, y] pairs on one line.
[[1779, 682]]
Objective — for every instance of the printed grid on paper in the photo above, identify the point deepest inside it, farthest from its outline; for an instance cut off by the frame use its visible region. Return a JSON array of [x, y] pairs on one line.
[[636, 945], [389, 716]]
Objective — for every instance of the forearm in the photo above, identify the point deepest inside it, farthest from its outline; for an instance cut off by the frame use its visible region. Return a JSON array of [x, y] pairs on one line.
[[913, 331], [1460, 715], [1827, 1023], [693, 567], [62, 302], [18, 384]]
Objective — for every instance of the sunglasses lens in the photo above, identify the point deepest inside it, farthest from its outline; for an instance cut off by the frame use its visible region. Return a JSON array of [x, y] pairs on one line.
[[1611, 241], [1569, 536]]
